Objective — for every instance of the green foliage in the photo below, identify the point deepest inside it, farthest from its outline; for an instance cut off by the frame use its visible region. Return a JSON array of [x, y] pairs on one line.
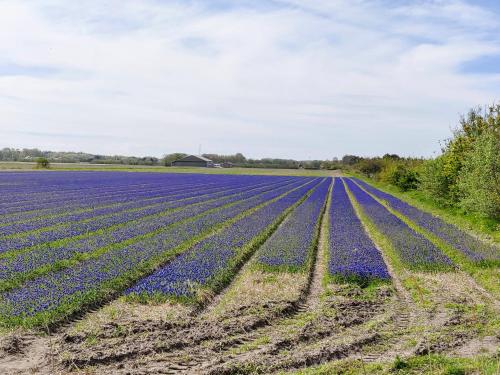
[[479, 182], [404, 178], [399, 364], [435, 182], [42, 163], [467, 174], [370, 167], [351, 159], [169, 158]]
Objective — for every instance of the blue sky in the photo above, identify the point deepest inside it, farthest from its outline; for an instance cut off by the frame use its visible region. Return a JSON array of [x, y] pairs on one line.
[[283, 78]]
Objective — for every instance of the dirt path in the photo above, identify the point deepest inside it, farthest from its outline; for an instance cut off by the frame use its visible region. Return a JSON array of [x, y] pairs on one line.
[[22, 353]]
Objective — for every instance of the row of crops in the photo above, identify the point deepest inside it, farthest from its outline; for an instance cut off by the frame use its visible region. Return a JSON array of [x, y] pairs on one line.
[[69, 240]]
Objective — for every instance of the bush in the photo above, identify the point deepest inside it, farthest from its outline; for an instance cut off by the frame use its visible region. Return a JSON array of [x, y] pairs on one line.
[[42, 163], [434, 182], [404, 178], [370, 167], [479, 181], [466, 175]]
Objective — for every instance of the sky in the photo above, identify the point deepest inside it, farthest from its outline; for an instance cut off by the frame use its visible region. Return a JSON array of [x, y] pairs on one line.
[[302, 79]]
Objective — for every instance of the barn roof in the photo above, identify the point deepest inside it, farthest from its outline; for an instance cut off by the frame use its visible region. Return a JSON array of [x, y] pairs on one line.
[[194, 158]]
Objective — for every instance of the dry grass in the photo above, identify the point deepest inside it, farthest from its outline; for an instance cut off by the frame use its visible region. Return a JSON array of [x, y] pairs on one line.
[[121, 312], [256, 287]]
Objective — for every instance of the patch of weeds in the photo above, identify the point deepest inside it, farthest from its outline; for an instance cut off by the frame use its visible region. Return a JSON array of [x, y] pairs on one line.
[[399, 363], [442, 365], [342, 367], [302, 319], [270, 278], [418, 293], [119, 331], [112, 312], [91, 339], [263, 340]]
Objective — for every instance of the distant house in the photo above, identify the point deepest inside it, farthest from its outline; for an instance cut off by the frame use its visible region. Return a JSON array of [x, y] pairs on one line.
[[227, 164], [193, 161]]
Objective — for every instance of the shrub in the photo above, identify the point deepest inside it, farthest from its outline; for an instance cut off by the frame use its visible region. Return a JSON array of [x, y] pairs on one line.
[[370, 167], [42, 163], [404, 178], [466, 174], [435, 182], [479, 181]]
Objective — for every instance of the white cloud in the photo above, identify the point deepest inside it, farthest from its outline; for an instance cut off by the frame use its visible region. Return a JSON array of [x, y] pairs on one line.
[[300, 79]]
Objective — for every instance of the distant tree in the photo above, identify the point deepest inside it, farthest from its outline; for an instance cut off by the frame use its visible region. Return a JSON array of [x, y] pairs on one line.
[[350, 159], [169, 158], [42, 163], [370, 167], [391, 156]]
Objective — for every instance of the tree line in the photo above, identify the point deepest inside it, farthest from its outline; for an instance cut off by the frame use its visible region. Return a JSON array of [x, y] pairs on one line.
[[239, 160], [465, 176], [33, 154]]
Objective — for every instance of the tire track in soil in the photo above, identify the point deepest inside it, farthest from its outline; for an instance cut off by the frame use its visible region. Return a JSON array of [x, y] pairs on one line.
[[434, 323], [401, 318], [311, 304], [404, 314], [183, 344], [309, 300]]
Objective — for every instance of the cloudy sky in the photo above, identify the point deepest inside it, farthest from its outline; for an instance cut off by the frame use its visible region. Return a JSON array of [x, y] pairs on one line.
[[286, 78]]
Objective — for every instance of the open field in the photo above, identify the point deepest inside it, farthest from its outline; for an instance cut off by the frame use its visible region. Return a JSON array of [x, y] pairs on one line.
[[28, 166], [147, 273]]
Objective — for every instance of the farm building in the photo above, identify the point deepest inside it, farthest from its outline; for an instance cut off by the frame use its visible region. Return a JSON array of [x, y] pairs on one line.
[[193, 161]]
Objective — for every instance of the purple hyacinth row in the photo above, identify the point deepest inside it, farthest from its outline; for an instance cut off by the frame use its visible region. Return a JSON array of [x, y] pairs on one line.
[[213, 255], [48, 292], [139, 187], [115, 197], [291, 245], [77, 200], [61, 185], [352, 253], [415, 250], [188, 195], [126, 201], [102, 201], [46, 255], [78, 228], [471, 247], [25, 183]]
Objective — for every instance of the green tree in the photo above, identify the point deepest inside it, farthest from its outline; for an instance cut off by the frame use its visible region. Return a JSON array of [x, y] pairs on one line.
[[370, 167], [448, 179], [169, 158], [404, 178], [479, 181], [42, 163]]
